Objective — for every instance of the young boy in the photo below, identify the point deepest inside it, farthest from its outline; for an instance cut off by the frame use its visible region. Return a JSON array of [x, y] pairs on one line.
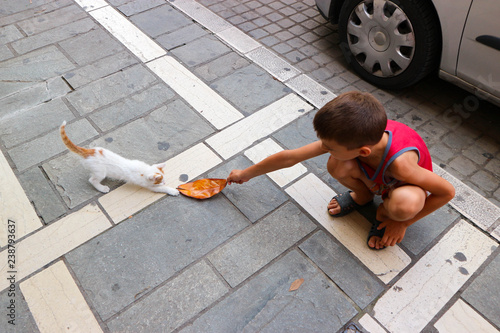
[[370, 155]]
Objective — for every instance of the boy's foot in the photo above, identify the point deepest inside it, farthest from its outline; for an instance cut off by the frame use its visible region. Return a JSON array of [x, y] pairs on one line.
[[375, 235], [344, 204]]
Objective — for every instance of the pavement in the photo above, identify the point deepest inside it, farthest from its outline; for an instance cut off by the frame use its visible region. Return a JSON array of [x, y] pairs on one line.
[[209, 86]]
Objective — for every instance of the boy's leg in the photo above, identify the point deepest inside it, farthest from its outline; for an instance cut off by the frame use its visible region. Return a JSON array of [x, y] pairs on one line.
[[350, 175], [401, 204]]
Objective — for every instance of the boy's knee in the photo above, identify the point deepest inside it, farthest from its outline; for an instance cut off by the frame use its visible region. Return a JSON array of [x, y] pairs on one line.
[[406, 202]]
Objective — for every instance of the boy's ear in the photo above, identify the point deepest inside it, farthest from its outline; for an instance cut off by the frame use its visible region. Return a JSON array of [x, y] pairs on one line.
[[364, 151]]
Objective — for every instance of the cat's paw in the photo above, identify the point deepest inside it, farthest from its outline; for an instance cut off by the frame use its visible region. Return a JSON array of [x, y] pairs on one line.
[[103, 189], [173, 192]]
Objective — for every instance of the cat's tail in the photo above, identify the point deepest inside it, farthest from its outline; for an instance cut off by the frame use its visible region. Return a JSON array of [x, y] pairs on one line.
[[83, 152]]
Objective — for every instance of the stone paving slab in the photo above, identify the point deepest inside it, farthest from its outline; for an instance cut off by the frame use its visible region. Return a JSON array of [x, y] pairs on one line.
[[248, 252], [265, 304], [482, 293], [255, 200], [139, 254], [343, 268], [174, 303]]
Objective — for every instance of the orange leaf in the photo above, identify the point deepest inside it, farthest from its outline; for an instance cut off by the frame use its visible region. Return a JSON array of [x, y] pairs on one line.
[[202, 188], [296, 284]]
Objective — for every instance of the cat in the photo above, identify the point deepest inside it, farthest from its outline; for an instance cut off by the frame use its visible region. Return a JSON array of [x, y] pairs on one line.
[[103, 163]]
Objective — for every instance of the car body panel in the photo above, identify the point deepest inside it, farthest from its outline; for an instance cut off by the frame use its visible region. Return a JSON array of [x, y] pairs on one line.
[[479, 57]]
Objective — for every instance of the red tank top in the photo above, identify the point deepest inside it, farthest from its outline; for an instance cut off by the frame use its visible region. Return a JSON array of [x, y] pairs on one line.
[[401, 139]]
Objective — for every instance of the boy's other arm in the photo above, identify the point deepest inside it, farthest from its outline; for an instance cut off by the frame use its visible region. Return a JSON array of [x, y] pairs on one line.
[[405, 168], [283, 159]]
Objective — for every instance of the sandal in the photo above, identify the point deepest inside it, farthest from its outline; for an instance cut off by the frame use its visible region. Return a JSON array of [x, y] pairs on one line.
[[375, 232], [346, 203]]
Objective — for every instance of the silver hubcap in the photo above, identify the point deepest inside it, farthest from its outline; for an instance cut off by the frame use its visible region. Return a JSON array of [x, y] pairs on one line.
[[381, 37]]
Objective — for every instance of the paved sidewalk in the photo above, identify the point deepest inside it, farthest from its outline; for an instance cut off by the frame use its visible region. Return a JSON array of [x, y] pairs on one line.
[[209, 86]]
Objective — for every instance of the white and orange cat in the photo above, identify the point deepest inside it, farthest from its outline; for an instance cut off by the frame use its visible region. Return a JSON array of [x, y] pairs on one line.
[[104, 163]]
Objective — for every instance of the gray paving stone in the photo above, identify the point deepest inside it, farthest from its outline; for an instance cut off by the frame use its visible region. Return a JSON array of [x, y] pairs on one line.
[[33, 9], [110, 89], [484, 292], [42, 196], [159, 136], [71, 179], [19, 104], [47, 116], [9, 34], [23, 321], [204, 49], [343, 268], [220, 67], [5, 53], [12, 7], [38, 65], [136, 7], [149, 248], [264, 304], [255, 198], [53, 36], [132, 107], [52, 19], [485, 180], [300, 133], [181, 37], [423, 232], [42, 148], [154, 22], [257, 246], [100, 69], [172, 304], [242, 87], [91, 46]]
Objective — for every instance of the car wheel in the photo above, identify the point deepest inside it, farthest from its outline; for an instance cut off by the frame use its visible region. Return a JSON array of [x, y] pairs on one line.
[[390, 43]]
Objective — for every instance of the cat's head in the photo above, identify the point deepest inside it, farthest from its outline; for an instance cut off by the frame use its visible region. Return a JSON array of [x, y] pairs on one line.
[[155, 175]]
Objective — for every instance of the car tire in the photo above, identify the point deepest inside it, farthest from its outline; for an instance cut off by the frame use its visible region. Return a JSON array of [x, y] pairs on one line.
[[390, 43]]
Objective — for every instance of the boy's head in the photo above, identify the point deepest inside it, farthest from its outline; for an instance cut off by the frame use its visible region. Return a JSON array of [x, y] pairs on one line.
[[353, 119]]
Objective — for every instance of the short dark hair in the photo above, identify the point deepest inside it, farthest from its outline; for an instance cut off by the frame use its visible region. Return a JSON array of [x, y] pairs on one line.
[[353, 119]]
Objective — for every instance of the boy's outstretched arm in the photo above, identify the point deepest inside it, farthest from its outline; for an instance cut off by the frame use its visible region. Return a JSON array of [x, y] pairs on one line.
[[283, 159]]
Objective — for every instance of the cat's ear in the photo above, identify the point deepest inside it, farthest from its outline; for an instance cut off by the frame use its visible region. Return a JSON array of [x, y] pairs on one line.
[[160, 166]]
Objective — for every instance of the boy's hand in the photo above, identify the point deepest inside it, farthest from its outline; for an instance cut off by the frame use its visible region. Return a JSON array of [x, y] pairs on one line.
[[394, 232], [237, 176]]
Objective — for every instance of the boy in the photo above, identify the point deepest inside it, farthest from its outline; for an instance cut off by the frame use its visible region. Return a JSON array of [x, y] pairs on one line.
[[370, 155]]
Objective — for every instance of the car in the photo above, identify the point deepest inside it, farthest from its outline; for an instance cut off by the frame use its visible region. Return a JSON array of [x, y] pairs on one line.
[[396, 43]]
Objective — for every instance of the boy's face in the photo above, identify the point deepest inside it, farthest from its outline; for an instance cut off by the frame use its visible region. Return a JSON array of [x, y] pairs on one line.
[[338, 151]]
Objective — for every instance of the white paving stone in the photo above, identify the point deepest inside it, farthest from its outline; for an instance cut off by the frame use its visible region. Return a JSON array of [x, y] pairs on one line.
[[272, 63], [351, 230], [238, 40], [311, 90], [14, 206], [128, 34], [129, 199], [281, 177], [56, 303], [464, 319], [201, 97], [262, 123], [422, 292], [202, 15], [89, 5], [370, 325], [53, 241], [470, 203]]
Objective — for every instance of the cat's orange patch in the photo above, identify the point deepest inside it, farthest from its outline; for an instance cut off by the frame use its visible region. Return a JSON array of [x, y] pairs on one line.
[[101, 152], [158, 178]]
